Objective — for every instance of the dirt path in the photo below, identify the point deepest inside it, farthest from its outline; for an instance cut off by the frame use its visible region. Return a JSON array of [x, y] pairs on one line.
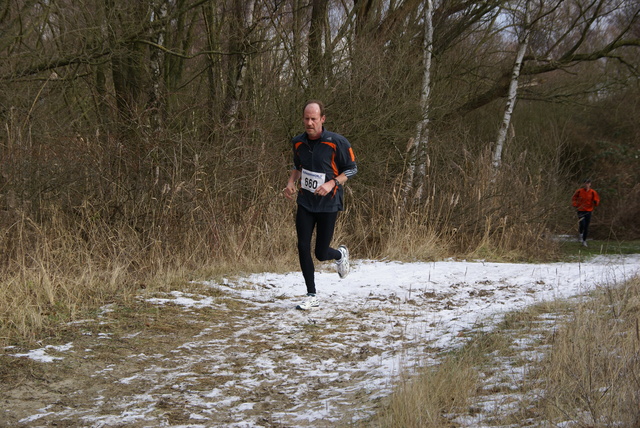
[[237, 353], [230, 362]]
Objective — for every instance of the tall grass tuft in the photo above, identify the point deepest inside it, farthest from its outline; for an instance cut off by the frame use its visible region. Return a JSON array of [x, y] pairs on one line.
[[426, 400], [584, 370], [64, 264], [591, 376], [99, 221]]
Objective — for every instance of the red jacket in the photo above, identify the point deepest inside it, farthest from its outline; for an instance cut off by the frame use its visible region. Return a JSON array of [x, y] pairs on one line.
[[585, 200]]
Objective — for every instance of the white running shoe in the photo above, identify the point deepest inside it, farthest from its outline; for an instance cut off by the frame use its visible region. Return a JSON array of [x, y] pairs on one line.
[[343, 265], [584, 244], [311, 302]]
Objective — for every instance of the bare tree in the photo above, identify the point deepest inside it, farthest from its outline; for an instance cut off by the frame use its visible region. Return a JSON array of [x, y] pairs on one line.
[[213, 65], [522, 45], [416, 167], [240, 15], [569, 34], [316, 29]]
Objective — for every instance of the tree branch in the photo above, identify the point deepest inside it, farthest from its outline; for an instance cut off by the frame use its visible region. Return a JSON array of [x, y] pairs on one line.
[[501, 85]]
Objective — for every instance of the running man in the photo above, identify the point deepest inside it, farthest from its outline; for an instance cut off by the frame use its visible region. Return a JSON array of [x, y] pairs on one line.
[[584, 200], [323, 162]]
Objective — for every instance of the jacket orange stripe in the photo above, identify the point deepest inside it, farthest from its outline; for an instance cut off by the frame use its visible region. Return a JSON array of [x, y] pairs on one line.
[[334, 167]]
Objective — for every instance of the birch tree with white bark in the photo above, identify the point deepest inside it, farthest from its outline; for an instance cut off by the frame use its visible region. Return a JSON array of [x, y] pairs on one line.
[[418, 158], [523, 34]]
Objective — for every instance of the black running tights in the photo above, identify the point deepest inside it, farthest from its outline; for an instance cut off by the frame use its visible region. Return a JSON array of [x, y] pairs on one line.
[[324, 223], [583, 223]]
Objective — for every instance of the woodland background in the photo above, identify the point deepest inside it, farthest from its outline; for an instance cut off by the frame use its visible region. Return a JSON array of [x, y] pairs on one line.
[[144, 143]]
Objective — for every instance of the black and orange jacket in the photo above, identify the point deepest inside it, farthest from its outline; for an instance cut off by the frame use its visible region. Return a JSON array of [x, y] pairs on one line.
[[585, 200], [332, 155]]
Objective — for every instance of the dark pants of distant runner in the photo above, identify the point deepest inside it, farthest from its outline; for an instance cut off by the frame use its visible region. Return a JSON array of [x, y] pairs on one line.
[[324, 223], [583, 223]]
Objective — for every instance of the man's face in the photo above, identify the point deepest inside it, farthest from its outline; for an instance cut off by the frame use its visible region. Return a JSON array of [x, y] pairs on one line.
[[313, 121], [587, 185]]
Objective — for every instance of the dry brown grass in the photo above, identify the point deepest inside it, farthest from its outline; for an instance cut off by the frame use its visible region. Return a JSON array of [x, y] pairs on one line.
[[425, 400], [60, 268], [585, 370], [60, 262], [592, 374], [118, 224]]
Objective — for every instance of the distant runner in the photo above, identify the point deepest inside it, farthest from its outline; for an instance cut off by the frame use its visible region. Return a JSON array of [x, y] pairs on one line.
[[323, 162], [585, 199]]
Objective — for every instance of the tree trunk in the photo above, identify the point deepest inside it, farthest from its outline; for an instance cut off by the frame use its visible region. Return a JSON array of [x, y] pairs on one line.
[[417, 165], [214, 70], [128, 67], [316, 60], [179, 33], [512, 97], [157, 98], [238, 24]]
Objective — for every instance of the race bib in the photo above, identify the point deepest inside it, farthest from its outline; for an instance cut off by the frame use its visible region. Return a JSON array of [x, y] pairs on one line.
[[311, 180]]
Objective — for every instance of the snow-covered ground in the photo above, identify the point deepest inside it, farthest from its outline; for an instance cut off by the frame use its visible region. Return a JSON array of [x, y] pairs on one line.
[[267, 364]]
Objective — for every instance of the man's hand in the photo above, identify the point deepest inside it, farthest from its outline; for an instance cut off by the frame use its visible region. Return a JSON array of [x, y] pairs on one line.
[[290, 190], [326, 188]]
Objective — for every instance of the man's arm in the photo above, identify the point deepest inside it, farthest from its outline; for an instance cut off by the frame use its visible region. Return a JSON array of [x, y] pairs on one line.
[[292, 186], [574, 199]]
